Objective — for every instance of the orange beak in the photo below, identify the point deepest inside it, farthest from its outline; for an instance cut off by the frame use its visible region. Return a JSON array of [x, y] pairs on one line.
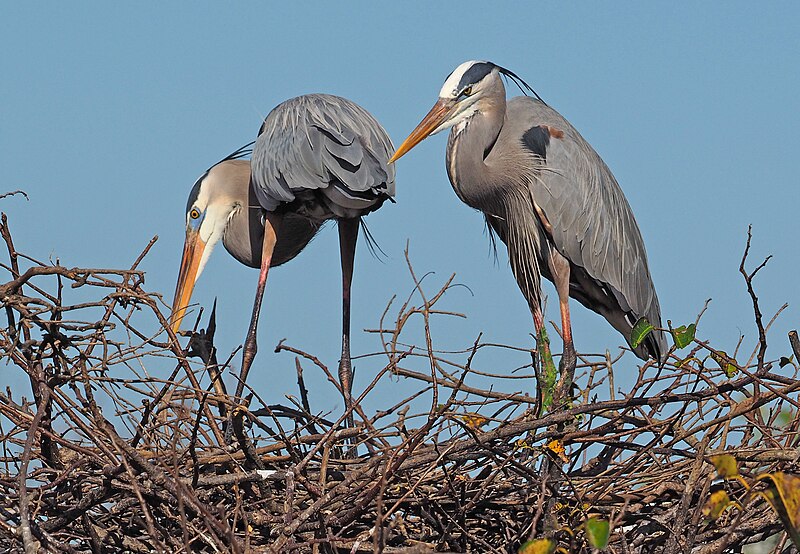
[[429, 123], [190, 262]]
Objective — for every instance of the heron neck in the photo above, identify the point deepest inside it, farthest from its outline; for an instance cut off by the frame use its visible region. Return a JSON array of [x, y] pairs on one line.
[[468, 147], [244, 234]]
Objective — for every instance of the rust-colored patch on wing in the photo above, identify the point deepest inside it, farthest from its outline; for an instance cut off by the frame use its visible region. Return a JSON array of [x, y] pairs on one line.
[[554, 133]]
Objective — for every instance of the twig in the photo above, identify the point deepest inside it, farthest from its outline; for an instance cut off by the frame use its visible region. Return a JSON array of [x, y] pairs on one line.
[[748, 278], [459, 463], [7, 194], [22, 480]]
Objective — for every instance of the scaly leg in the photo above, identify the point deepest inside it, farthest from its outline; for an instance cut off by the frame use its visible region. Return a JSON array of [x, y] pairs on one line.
[[559, 267], [272, 223], [348, 236]]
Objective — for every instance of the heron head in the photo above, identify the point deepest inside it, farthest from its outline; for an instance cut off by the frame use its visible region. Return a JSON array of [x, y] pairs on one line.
[[213, 201], [464, 93]]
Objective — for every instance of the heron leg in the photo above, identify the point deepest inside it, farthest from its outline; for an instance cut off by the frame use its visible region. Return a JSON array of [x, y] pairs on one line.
[[348, 236], [559, 268], [272, 223]]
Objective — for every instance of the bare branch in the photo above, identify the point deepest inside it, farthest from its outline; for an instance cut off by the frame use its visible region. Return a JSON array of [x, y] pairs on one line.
[[119, 449]]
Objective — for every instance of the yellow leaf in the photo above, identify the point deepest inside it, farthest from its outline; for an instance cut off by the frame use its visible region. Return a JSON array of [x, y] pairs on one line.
[[784, 497], [538, 546], [473, 421], [557, 447], [726, 466], [718, 502], [685, 362], [522, 444]]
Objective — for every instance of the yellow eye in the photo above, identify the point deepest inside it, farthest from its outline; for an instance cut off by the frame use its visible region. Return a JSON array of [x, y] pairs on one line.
[[194, 214], [467, 91]]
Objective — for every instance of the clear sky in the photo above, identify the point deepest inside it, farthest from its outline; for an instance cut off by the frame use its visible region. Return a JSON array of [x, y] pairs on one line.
[[110, 111]]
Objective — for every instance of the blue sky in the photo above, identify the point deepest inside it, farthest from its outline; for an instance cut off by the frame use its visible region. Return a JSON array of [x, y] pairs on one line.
[[110, 111]]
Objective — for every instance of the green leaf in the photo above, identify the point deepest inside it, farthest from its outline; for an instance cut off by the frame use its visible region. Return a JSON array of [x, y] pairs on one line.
[[598, 531], [683, 335], [785, 361], [640, 331], [784, 418], [549, 372], [726, 363]]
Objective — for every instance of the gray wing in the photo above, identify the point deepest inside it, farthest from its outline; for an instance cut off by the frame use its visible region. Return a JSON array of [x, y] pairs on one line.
[[592, 223], [327, 144]]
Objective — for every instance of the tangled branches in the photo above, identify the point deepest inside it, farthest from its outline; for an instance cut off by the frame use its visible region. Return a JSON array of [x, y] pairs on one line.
[[128, 445]]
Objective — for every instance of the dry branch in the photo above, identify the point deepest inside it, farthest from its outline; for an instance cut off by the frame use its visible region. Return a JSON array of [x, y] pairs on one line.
[[109, 457]]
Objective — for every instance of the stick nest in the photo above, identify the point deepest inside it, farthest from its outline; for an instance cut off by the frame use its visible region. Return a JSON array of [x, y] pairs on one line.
[[116, 439]]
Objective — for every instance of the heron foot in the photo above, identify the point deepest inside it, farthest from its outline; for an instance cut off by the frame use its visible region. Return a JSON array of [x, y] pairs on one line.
[[346, 381]]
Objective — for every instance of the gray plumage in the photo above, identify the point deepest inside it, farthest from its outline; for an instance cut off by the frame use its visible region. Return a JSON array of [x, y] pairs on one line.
[[317, 157], [244, 230], [322, 156], [548, 196], [591, 222]]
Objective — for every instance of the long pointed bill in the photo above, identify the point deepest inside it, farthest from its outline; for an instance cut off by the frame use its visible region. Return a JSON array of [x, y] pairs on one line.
[[190, 262], [429, 124]]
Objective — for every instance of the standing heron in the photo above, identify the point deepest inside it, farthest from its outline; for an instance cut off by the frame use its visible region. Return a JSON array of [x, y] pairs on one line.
[[317, 157], [550, 198]]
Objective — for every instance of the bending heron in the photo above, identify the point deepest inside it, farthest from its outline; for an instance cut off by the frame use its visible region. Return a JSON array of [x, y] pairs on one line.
[[317, 157], [550, 198]]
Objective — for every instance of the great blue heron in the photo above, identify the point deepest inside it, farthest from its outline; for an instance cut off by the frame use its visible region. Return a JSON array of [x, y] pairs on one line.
[[550, 198], [317, 157]]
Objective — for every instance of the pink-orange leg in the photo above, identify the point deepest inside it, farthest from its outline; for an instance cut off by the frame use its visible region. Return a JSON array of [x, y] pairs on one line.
[[272, 223], [559, 268]]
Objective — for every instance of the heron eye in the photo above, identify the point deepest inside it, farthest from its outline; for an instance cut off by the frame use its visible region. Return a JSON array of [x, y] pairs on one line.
[[194, 214], [467, 91]]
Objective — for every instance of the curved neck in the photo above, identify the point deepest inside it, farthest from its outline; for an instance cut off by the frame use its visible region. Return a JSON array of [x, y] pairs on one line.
[[491, 180], [469, 144], [244, 233]]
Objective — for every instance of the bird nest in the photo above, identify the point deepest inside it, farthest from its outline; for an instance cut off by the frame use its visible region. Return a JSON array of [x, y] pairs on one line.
[[104, 456]]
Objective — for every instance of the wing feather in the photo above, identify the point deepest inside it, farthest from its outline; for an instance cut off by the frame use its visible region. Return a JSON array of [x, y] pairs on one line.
[[323, 142], [592, 222]]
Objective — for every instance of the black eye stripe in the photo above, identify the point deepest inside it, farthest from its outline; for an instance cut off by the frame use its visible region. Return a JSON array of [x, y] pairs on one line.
[[474, 74], [195, 192]]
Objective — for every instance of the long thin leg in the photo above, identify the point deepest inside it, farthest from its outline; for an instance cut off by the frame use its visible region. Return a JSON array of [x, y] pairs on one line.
[[348, 236], [272, 223], [559, 267]]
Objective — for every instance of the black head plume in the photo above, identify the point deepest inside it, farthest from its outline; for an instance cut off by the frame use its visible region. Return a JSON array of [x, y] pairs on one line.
[[521, 84], [241, 152]]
